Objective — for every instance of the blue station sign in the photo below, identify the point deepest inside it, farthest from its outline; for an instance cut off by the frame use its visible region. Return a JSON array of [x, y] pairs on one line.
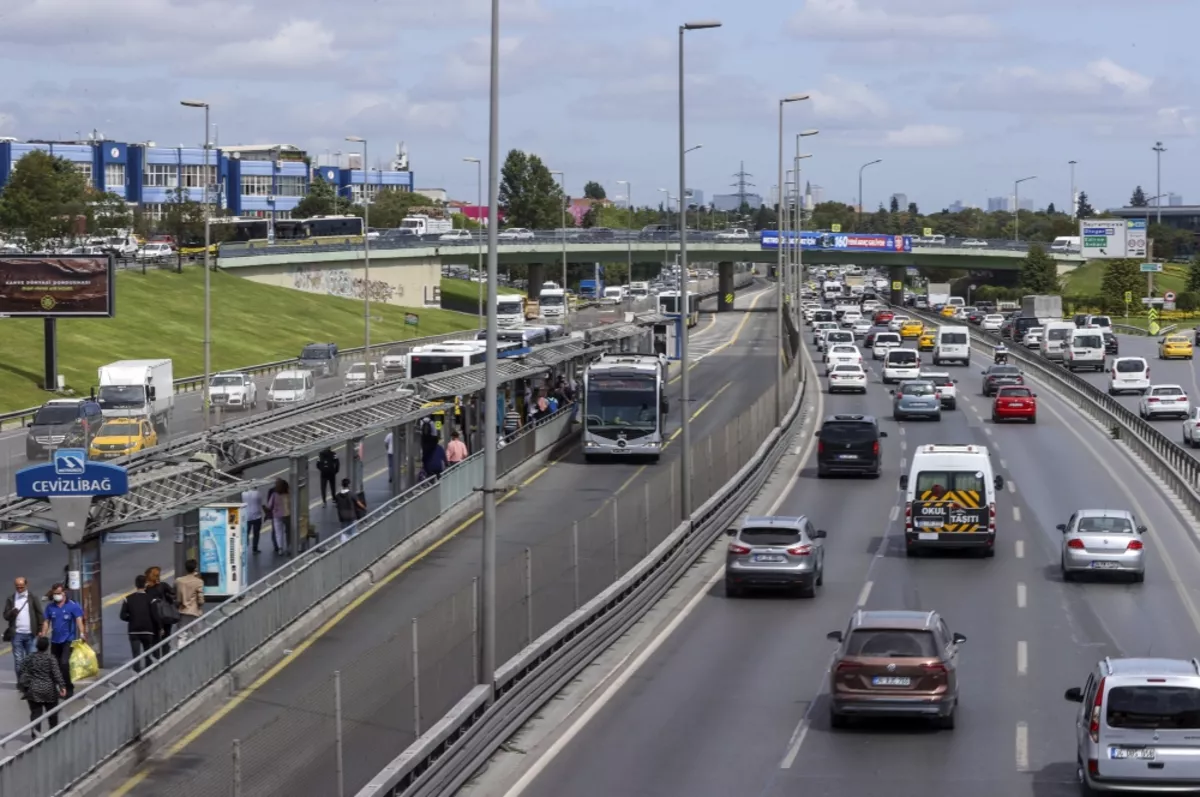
[[71, 474]]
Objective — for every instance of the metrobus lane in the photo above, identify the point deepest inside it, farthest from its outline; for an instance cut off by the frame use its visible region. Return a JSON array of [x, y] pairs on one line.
[[540, 510]]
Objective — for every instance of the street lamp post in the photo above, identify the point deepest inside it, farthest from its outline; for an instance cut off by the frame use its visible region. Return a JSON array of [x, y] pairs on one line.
[[799, 226], [563, 181], [366, 260], [667, 205], [1017, 206], [779, 265], [685, 389], [1159, 149], [629, 237], [479, 238], [207, 398], [861, 204], [1074, 205]]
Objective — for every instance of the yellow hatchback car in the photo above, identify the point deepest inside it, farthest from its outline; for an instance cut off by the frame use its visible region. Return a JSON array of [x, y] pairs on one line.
[[948, 311], [927, 341], [1175, 347], [118, 437], [912, 329]]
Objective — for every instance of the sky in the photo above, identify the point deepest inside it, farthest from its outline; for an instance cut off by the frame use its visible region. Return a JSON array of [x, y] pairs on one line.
[[957, 97]]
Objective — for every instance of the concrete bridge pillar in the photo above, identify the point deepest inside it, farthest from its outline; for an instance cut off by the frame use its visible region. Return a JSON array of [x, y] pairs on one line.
[[897, 275], [725, 288], [537, 275]]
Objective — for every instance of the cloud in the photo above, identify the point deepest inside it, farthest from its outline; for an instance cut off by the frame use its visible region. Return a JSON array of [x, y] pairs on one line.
[[1102, 85], [864, 20], [297, 46], [923, 136], [842, 103]]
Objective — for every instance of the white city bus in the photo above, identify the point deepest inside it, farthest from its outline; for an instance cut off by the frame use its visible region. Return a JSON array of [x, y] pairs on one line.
[[624, 406], [436, 358]]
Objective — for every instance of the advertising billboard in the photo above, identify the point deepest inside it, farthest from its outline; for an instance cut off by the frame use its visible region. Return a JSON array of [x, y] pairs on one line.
[[852, 242], [57, 286]]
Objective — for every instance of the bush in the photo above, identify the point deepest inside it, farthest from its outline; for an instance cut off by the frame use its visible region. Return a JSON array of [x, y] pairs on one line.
[[1188, 302]]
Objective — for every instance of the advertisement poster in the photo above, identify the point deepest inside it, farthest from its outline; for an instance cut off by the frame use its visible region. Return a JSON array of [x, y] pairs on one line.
[[46, 286], [854, 242], [224, 554]]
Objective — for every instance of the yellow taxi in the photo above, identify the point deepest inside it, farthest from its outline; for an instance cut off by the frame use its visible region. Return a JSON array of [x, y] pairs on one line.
[[927, 341], [1175, 347], [949, 310], [912, 329], [118, 437]]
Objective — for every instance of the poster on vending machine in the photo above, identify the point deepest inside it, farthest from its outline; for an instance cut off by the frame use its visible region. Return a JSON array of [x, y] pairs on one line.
[[224, 551]]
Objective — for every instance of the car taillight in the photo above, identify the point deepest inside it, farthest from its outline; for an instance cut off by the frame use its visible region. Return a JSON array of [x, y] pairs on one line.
[[934, 668], [875, 448], [800, 550], [820, 447], [734, 548], [908, 516], [1075, 544], [1094, 723], [842, 666], [1136, 545], [1152, 400]]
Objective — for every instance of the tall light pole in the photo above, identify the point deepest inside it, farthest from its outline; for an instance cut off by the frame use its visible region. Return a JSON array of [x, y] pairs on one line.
[[667, 205], [207, 268], [479, 239], [799, 226], [366, 259], [628, 238], [491, 411], [1159, 149], [563, 182], [1017, 206], [779, 276], [861, 204], [1074, 205], [684, 307], [683, 202]]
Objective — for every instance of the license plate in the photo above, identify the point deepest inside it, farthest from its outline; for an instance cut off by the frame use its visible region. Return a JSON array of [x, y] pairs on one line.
[[847, 456], [768, 558], [927, 535], [1106, 565], [1016, 404], [890, 680], [1144, 753]]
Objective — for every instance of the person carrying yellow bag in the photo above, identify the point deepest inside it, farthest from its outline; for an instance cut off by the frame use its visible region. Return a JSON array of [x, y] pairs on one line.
[[84, 663], [63, 624]]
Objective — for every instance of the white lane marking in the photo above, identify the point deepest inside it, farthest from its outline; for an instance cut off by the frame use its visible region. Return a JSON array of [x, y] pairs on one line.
[[1022, 658], [1017, 514], [1022, 747], [1003, 465], [902, 431], [903, 445], [865, 593], [988, 431], [1020, 549], [894, 514], [1022, 596], [794, 744], [903, 463], [1012, 486]]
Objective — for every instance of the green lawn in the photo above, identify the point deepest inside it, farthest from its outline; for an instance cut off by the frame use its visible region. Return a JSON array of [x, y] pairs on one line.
[[468, 291], [1085, 280], [161, 314]]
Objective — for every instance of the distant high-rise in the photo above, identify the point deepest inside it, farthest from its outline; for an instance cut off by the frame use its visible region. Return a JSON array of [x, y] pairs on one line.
[[999, 203], [695, 197], [731, 202], [1174, 200], [901, 200], [1026, 203], [817, 193], [956, 206]]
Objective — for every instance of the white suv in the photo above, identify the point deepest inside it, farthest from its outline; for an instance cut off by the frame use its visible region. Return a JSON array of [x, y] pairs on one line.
[[1191, 428], [1162, 400], [1128, 375], [900, 364]]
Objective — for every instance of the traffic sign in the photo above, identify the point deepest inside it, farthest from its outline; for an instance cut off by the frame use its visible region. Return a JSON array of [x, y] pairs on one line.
[[1128, 297], [897, 285], [1135, 238], [1152, 314], [729, 298], [835, 228], [927, 232], [1148, 268], [1169, 296], [1102, 238]]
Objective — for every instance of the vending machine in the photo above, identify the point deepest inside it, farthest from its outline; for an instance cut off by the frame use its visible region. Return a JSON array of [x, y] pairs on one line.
[[224, 550]]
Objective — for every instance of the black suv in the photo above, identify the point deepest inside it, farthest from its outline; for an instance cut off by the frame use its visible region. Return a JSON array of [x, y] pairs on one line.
[[849, 444], [320, 358], [61, 423]]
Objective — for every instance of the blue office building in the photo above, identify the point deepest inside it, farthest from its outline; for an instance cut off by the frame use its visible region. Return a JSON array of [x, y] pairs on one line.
[[352, 184], [103, 163], [258, 187]]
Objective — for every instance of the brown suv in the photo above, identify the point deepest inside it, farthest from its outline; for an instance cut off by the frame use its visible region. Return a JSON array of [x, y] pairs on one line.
[[895, 664]]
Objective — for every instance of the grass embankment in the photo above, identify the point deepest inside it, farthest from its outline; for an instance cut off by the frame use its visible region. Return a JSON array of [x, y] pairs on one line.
[[1085, 280], [161, 314], [463, 295]]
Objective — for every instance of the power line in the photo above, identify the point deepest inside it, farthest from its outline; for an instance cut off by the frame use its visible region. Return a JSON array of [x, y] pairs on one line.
[[742, 184]]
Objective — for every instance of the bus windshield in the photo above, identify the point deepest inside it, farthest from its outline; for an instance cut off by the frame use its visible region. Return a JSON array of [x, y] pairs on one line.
[[622, 402]]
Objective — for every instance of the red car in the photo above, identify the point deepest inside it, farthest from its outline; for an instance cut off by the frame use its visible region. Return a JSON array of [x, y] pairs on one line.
[[884, 316], [1014, 404]]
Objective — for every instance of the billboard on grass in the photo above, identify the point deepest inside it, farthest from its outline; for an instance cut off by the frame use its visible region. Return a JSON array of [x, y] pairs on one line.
[[57, 286]]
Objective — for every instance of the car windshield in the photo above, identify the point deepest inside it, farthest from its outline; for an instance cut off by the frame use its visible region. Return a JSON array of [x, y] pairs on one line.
[[847, 369], [121, 428], [839, 337], [892, 644], [131, 395], [56, 414], [843, 350], [939, 482], [1004, 370], [1015, 392], [1105, 525], [1131, 366], [954, 338], [288, 384], [1154, 707], [940, 380], [1035, 331], [770, 536], [315, 353], [1087, 341], [1177, 339], [890, 337], [848, 432], [902, 357], [916, 389], [1167, 391], [1102, 321], [226, 380]]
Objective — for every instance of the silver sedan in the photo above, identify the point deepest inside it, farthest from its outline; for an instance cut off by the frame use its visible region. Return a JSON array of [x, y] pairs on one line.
[[916, 399], [1105, 541]]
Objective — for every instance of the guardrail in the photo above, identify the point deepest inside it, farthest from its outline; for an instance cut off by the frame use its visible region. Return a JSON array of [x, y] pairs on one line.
[[452, 750], [124, 705]]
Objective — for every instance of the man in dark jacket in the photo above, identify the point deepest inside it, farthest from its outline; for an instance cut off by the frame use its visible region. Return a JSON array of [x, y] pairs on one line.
[[349, 507], [140, 615], [328, 466], [23, 614], [435, 462]]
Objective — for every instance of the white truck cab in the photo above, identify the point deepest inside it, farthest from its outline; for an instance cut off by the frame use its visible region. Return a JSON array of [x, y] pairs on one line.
[[510, 309]]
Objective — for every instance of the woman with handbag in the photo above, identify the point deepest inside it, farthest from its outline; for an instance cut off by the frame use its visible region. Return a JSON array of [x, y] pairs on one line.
[[163, 595]]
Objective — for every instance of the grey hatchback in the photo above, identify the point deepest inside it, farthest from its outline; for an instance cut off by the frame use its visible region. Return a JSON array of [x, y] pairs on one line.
[[775, 552], [916, 399]]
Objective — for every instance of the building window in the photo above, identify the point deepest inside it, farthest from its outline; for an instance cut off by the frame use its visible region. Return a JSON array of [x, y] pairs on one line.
[[256, 185], [153, 211], [114, 176], [290, 185], [160, 175], [193, 176], [85, 169]]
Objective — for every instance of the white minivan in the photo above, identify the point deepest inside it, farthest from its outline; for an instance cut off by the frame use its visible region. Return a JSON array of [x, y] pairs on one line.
[[1085, 349], [901, 364], [1128, 374], [1055, 336], [953, 346], [291, 387]]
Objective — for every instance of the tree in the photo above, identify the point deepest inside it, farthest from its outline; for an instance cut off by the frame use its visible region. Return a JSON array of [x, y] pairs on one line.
[[43, 199], [321, 200], [895, 206], [593, 190], [1121, 276], [1038, 272], [1050, 211], [391, 206], [183, 219], [106, 213], [912, 210], [1138, 200], [1084, 209], [1193, 283], [529, 194], [590, 218]]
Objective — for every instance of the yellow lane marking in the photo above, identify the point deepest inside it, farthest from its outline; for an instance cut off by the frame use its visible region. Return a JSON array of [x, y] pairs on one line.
[[299, 650], [699, 410], [736, 333]]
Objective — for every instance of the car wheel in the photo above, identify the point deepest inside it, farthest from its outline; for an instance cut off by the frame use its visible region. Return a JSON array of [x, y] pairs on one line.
[[938, 417], [822, 473], [808, 590], [821, 575], [989, 553], [1033, 419], [912, 551], [1138, 578], [837, 720], [946, 723], [995, 418], [1067, 575], [1112, 392], [732, 590]]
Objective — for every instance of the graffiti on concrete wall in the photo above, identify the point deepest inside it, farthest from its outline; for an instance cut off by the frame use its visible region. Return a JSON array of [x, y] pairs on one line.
[[341, 282]]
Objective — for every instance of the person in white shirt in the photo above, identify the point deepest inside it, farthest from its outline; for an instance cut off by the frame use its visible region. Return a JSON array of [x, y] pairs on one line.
[[254, 516], [23, 613], [388, 443]]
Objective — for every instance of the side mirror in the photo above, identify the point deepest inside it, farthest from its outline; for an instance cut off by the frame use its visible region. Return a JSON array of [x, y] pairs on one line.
[[730, 532], [892, 392], [904, 482], [1074, 694], [1062, 527], [151, 392], [954, 381], [836, 636], [1035, 395], [817, 433], [1142, 529], [999, 482], [822, 534], [958, 639], [883, 434], [984, 373]]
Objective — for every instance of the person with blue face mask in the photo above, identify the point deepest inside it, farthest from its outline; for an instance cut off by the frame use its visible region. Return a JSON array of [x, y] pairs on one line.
[[63, 625]]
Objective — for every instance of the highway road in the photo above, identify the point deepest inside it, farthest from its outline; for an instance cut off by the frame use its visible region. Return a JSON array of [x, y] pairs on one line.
[[734, 701], [732, 356]]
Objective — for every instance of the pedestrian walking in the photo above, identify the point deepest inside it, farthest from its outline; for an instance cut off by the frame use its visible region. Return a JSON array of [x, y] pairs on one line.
[[349, 506], [279, 505], [23, 613], [254, 516], [512, 422], [141, 618], [164, 594], [456, 451], [328, 466], [435, 463], [189, 594], [389, 443], [42, 683], [429, 436], [63, 624]]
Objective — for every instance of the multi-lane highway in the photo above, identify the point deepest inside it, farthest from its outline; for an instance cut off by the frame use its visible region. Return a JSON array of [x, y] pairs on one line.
[[732, 356], [735, 700]]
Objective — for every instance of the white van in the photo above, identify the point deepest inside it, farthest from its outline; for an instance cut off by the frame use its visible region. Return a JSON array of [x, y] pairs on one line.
[[956, 301], [613, 295], [1085, 349], [953, 346], [1129, 374], [901, 364], [885, 342], [950, 499], [1055, 336], [291, 387]]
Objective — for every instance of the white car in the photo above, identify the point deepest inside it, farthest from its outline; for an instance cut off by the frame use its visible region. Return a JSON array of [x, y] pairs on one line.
[[734, 235], [820, 328], [395, 361], [1033, 338], [232, 391], [1128, 375], [1191, 428], [842, 354], [156, 251], [849, 318], [974, 242], [1162, 400], [897, 322], [885, 342], [947, 387], [457, 235], [357, 375], [515, 234], [833, 337], [992, 322], [851, 378], [901, 364], [861, 327]]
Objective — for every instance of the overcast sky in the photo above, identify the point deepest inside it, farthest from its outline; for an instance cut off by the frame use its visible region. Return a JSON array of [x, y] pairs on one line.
[[958, 97]]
